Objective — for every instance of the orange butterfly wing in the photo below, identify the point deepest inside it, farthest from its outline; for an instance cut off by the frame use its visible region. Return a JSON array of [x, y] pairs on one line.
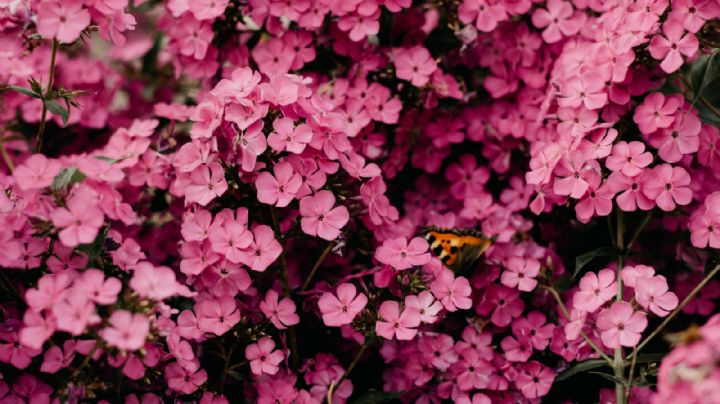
[[457, 249]]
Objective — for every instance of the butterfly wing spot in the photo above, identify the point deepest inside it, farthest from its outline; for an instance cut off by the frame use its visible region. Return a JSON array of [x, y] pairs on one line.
[[458, 249]]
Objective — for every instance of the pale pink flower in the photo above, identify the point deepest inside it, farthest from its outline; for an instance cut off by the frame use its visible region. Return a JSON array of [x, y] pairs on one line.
[[653, 294], [629, 158], [80, 220], [595, 290], [263, 250], [279, 189], [521, 272], [668, 186], [400, 254], [621, 325], [287, 137], [127, 331], [36, 172], [217, 316], [453, 293], [672, 45], [341, 307], [63, 20], [425, 304], [280, 312]]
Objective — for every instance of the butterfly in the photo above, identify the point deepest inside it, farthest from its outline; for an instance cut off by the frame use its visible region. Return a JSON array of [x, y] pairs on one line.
[[458, 249]]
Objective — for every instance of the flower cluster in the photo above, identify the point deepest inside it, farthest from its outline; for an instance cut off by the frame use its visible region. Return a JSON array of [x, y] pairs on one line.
[[218, 200]]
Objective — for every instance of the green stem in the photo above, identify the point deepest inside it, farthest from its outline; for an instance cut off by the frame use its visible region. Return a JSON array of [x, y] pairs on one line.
[[681, 306], [618, 363], [6, 158], [48, 89], [345, 375], [226, 367], [292, 334], [316, 266], [85, 361], [566, 313], [631, 375]]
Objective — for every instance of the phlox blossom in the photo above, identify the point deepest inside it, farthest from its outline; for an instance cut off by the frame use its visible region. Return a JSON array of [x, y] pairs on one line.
[[341, 307]]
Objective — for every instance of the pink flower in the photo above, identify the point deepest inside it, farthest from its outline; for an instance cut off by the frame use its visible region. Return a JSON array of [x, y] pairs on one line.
[[400, 255], [74, 313], [36, 172], [453, 293], [394, 324], [207, 9], [620, 325], [630, 190], [239, 87], [262, 251], [557, 21], [232, 239], [534, 380], [151, 282], [184, 380], [653, 294], [486, 14], [439, 350], [279, 189], [251, 144], [425, 304], [63, 20], [473, 372], [597, 201], [280, 312], [656, 111], [521, 272], [287, 137], [415, 65], [14, 353], [263, 357], [681, 138], [586, 90], [217, 316], [360, 25], [57, 358], [670, 47], [319, 218], [595, 290], [92, 283], [668, 186], [502, 304], [571, 173], [629, 158], [340, 310], [127, 331], [80, 220], [207, 182]]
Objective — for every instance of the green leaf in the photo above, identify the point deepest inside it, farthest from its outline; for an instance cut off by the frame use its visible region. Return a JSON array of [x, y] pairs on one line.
[[704, 72], [66, 178], [23, 90], [376, 397], [35, 85], [236, 375], [582, 260], [94, 249], [57, 109], [610, 377], [580, 367], [650, 358]]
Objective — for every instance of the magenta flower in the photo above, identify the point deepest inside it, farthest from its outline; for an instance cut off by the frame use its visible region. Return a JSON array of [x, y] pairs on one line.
[[521, 272], [63, 20], [439, 350], [672, 45], [287, 137], [472, 371], [394, 324], [341, 309], [80, 220], [127, 331], [263, 357], [595, 290], [279, 189], [400, 254], [668, 186], [486, 14], [629, 158], [217, 316], [184, 380], [320, 218], [280, 312], [36, 172], [597, 200], [502, 304], [653, 294], [534, 380], [621, 325]]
